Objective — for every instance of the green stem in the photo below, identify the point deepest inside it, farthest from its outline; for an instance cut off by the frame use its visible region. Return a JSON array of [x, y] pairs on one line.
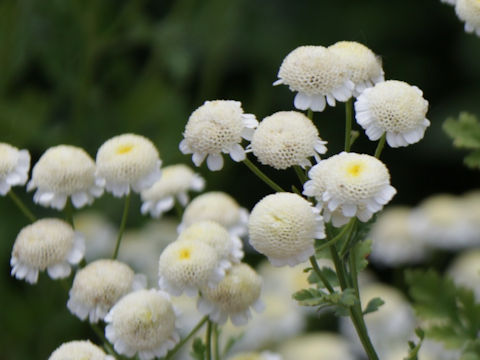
[[381, 144], [301, 174], [102, 337], [335, 239], [310, 114], [69, 212], [186, 338], [348, 124], [319, 273], [178, 209], [23, 208], [208, 341], [216, 345], [262, 176], [346, 244], [122, 225]]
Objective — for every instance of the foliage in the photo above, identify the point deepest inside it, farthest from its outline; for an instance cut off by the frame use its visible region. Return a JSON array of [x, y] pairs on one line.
[[465, 132]]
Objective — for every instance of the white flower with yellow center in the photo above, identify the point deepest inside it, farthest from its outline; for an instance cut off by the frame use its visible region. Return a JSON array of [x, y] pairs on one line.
[[283, 227], [214, 128], [79, 350], [317, 75], [469, 12], [285, 139], [175, 183], [64, 171], [49, 244], [264, 355], [142, 323], [190, 265], [364, 66], [127, 162], [99, 285], [14, 166], [232, 298], [219, 207], [228, 247], [395, 108]]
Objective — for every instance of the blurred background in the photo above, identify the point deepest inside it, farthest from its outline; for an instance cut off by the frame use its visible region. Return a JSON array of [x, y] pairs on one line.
[[80, 72]]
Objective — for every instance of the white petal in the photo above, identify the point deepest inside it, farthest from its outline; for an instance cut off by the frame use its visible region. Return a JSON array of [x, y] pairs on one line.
[[349, 210], [198, 158], [80, 199], [302, 101], [184, 148], [237, 153], [317, 103], [58, 271], [215, 162]]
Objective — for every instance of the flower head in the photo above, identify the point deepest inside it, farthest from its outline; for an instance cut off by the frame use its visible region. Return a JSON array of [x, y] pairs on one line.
[[393, 107], [175, 182], [214, 128], [283, 227], [219, 207], [64, 171], [233, 296], [364, 66], [14, 166], [314, 72], [49, 244], [469, 11], [99, 285], [127, 162], [143, 323], [79, 350], [189, 266], [287, 138]]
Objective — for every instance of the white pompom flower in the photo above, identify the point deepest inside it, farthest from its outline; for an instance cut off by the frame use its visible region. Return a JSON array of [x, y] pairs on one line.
[[49, 244], [395, 108], [233, 297], [364, 66], [214, 128], [99, 285], [188, 266], [283, 227], [219, 207], [285, 139], [317, 75], [144, 323], [79, 350], [469, 12], [14, 166], [357, 185], [175, 183], [63, 172], [127, 162]]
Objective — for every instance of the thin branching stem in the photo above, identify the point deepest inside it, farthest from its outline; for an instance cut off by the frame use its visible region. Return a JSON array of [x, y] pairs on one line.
[[186, 338], [262, 175], [380, 145], [348, 124], [122, 225], [23, 208]]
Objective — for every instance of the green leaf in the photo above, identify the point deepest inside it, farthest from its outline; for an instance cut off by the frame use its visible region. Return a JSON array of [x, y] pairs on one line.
[[472, 160], [339, 301], [373, 305], [327, 272], [198, 349], [465, 131], [362, 250], [415, 348]]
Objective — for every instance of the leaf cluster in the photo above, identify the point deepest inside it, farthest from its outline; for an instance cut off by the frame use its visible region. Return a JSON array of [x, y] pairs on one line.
[[465, 132]]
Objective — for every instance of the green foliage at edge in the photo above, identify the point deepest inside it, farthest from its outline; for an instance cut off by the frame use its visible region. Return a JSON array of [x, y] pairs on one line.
[[465, 132]]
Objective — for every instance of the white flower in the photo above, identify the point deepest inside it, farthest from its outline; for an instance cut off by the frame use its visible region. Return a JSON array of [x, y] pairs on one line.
[[214, 128], [233, 296], [143, 323], [219, 207], [49, 244], [364, 66], [287, 138], [465, 270], [283, 227], [356, 185], [393, 107], [469, 12], [64, 171], [79, 350], [189, 266], [127, 162], [331, 346], [175, 182], [99, 285], [318, 75], [14, 166]]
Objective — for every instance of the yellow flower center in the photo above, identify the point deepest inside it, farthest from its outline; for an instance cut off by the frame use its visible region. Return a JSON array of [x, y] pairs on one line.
[[185, 254], [124, 149], [355, 169]]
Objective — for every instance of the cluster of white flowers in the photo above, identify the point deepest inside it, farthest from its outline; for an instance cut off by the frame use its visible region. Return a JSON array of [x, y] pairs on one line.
[[469, 12]]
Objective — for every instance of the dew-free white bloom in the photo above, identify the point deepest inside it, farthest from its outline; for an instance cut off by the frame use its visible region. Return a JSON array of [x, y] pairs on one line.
[[99, 285], [49, 244], [219, 207], [285, 139], [127, 162], [395, 108], [283, 227], [469, 12], [214, 128], [233, 297], [175, 183], [143, 323], [364, 67], [188, 266], [63, 172], [314, 73], [79, 350], [14, 166]]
